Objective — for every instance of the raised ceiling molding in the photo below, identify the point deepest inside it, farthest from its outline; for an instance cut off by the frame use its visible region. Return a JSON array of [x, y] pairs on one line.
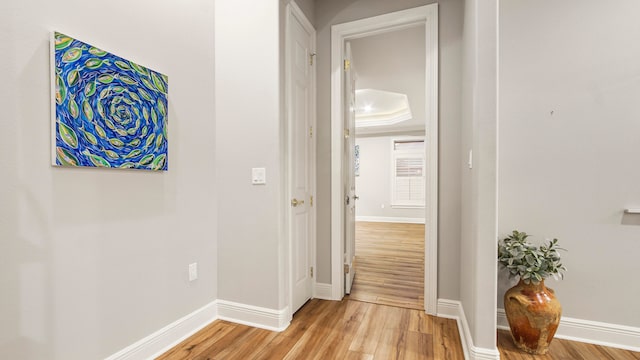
[[380, 108]]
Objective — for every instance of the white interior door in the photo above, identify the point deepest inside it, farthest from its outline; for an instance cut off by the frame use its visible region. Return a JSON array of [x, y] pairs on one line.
[[349, 171], [300, 114]]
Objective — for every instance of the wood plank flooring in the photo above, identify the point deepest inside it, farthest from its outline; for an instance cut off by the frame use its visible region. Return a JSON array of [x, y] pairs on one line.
[[328, 330], [351, 329], [381, 319], [389, 264], [563, 349]]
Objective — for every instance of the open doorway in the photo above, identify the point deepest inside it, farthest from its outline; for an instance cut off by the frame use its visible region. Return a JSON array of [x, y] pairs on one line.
[[389, 167], [424, 18]]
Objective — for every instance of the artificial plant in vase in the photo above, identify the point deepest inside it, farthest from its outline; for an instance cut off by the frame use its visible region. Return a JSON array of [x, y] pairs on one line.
[[532, 309]]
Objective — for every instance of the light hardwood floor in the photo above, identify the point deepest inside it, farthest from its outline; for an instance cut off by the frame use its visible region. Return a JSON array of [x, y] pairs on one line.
[[352, 329], [389, 264], [563, 349], [330, 330]]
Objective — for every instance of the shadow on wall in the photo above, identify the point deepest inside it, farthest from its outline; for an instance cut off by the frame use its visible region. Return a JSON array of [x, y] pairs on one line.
[[630, 219], [26, 276], [328, 10], [26, 265]]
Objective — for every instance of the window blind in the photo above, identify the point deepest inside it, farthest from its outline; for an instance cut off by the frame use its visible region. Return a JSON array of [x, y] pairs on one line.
[[408, 183]]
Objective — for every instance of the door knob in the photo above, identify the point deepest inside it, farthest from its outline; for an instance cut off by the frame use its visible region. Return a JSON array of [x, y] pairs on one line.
[[356, 197], [296, 202]]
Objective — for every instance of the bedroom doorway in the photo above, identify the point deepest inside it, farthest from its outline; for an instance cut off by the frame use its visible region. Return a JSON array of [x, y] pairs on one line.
[[425, 19]]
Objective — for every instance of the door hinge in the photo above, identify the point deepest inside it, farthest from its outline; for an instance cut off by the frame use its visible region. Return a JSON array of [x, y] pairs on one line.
[[311, 132], [312, 271], [347, 65], [311, 58], [346, 133], [311, 201], [346, 268]]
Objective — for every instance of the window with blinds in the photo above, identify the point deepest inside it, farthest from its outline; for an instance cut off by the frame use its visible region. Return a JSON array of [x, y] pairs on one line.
[[408, 169]]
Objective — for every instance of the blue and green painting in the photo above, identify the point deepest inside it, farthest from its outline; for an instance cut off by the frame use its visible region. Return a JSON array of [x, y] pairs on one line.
[[109, 112]]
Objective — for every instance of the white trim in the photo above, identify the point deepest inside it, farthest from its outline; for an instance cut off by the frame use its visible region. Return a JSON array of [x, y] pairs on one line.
[[592, 332], [452, 309], [255, 316], [337, 149], [402, 220], [431, 211], [406, 206], [173, 334], [169, 336], [484, 354], [294, 11], [53, 82], [427, 15], [323, 291]]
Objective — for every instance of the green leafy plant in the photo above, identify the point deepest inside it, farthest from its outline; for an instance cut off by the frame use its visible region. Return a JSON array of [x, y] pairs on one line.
[[531, 263]]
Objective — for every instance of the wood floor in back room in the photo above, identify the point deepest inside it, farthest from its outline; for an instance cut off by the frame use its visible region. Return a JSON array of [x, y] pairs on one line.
[[389, 264]]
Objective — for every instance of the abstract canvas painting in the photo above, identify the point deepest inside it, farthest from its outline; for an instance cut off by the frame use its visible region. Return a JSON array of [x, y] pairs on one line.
[[107, 111]]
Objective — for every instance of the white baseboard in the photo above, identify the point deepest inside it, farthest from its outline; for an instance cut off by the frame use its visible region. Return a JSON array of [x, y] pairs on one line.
[[263, 318], [323, 291], [403, 220], [592, 332], [452, 309], [169, 336]]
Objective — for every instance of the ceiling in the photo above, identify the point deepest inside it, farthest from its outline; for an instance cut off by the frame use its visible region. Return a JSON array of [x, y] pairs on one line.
[[376, 108], [390, 81]]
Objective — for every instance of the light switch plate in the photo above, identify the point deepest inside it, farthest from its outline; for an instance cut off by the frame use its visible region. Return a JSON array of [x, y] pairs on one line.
[[258, 176], [193, 271]]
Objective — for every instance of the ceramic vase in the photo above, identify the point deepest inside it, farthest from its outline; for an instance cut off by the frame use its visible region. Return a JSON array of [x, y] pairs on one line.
[[533, 313]]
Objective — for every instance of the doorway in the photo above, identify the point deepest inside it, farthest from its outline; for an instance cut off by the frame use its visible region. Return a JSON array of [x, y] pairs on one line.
[[390, 167], [425, 16]]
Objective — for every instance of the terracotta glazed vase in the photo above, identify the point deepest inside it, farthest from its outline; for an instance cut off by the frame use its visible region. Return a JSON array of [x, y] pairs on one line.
[[533, 313]]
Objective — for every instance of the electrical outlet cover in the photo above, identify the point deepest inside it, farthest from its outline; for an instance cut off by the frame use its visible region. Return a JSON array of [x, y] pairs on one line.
[[193, 271]]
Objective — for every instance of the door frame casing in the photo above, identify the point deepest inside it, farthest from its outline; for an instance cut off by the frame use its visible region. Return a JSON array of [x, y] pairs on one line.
[[292, 12], [349, 179], [424, 15]]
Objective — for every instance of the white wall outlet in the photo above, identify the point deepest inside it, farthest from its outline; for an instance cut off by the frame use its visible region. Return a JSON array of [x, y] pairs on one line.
[[193, 271], [258, 176]]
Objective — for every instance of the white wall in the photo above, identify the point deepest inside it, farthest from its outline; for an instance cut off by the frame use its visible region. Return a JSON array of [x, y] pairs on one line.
[[92, 260], [329, 12], [393, 61], [569, 145], [479, 184], [308, 7], [373, 186], [248, 101]]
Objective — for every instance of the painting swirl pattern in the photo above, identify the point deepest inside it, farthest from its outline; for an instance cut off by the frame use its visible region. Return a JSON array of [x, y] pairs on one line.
[[110, 112]]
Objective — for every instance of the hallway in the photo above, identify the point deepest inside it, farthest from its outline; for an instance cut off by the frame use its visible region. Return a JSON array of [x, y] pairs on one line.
[[381, 319], [330, 330]]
